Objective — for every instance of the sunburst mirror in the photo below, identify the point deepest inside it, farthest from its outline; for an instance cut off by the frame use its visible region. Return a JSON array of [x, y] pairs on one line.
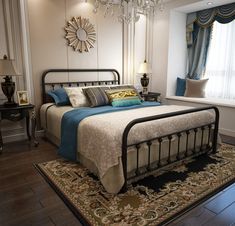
[[80, 34]]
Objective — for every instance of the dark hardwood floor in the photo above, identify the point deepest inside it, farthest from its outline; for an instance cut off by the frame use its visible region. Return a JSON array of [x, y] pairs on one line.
[[26, 199]]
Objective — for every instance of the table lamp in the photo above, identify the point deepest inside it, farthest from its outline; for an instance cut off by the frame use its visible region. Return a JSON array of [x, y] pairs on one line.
[[145, 69], [8, 87]]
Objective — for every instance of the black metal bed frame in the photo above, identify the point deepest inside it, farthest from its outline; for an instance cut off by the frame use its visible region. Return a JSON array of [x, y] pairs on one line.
[[115, 80], [212, 128]]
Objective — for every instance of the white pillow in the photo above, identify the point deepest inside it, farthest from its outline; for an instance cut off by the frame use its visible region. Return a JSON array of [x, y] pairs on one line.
[[76, 96]]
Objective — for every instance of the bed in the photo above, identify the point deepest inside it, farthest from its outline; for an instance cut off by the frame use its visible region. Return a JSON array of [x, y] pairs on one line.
[[126, 145]]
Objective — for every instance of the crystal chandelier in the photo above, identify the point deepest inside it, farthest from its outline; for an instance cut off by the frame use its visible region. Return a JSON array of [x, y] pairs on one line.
[[129, 10]]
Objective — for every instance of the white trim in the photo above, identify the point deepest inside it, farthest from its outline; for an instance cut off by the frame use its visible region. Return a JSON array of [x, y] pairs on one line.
[[14, 137], [227, 132], [26, 49], [128, 75], [40, 133], [149, 44], [207, 100], [20, 136]]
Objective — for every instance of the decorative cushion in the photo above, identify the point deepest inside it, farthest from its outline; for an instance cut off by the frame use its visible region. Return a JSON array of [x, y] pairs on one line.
[[180, 86], [77, 97], [195, 88], [126, 87], [59, 96], [123, 97], [121, 87], [97, 96]]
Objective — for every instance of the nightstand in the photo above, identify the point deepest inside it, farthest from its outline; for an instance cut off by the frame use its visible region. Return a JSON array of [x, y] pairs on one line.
[[151, 96], [17, 113]]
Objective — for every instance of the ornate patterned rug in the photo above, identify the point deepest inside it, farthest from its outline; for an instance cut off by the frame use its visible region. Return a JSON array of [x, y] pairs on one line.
[[155, 200]]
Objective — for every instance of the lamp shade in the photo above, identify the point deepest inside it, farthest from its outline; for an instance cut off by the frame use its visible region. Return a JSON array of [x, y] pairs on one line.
[[7, 68], [145, 68]]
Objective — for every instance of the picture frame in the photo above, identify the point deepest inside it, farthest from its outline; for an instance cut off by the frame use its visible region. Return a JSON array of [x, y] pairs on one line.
[[23, 97]]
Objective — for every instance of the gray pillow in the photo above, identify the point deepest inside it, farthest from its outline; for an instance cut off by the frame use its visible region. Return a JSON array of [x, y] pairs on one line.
[[97, 96], [195, 88]]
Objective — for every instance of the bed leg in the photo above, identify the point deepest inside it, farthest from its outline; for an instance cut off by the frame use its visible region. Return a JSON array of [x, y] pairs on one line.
[[124, 188], [216, 130], [124, 164]]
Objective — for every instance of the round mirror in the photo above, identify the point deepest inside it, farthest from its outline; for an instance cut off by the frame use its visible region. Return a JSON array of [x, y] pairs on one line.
[[81, 34]]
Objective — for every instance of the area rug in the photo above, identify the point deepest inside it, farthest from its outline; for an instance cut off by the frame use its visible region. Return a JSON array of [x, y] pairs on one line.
[[155, 200]]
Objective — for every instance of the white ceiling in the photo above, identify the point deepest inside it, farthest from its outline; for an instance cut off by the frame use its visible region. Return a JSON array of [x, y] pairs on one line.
[[202, 5]]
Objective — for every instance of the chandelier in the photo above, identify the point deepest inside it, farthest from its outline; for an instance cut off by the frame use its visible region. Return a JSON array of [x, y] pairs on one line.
[[128, 10]]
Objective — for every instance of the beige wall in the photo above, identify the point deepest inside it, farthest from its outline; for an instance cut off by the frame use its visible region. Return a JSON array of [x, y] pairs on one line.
[[162, 41], [49, 49]]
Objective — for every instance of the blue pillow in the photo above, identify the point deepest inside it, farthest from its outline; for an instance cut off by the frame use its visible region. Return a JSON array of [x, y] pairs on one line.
[[180, 87], [125, 103], [60, 97]]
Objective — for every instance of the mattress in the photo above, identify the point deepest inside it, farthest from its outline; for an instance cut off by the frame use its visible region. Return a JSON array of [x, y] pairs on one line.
[[100, 137]]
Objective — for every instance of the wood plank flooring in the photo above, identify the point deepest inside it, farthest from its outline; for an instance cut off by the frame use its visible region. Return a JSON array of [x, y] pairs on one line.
[[26, 199]]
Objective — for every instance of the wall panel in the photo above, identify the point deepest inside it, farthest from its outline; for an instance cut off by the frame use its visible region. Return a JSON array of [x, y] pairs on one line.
[[49, 48]]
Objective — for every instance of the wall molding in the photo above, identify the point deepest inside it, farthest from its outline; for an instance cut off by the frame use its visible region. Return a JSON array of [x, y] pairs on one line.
[[14, 138], [227, 132], [20, 135], [128, 76]]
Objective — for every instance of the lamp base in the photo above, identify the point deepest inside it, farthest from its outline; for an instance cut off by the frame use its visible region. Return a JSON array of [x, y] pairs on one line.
[[8, 88], [144, 82], [10, 104], [145, 90]]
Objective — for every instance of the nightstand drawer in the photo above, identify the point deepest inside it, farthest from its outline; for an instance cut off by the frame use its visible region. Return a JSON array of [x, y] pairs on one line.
[[151, 96], [13, 115]]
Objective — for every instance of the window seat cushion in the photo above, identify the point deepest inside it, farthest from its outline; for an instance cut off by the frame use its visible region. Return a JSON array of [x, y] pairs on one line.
[[205, 100]]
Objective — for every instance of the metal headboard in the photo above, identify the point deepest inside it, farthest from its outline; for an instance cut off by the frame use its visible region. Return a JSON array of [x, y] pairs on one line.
[[115, 80]]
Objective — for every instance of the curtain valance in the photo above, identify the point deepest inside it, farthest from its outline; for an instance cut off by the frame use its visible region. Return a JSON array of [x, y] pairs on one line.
[[223, 14], [198, 34]]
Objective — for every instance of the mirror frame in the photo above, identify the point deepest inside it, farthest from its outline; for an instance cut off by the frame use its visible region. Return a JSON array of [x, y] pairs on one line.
[[80, 43]]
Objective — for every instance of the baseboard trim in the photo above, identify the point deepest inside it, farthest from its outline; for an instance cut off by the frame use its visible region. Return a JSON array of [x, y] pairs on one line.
[[227, 132], [21, 136], [40, 133], [14, 137]]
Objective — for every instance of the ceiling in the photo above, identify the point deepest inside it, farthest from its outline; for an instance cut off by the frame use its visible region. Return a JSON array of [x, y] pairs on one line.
[[202, 5]]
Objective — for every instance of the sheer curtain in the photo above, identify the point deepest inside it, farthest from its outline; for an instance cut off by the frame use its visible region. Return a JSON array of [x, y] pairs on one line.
[[220, 67]]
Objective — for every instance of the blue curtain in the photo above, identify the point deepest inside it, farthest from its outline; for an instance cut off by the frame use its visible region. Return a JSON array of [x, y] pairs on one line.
[[199, 26], [197, 52]]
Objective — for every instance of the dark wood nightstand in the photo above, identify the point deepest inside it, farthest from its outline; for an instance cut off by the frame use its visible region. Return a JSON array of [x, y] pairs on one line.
[[151, 96], [17, 113]]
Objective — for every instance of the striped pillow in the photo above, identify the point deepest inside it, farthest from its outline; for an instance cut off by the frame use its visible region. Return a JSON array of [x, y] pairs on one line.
[[97, 96], [123, 97]]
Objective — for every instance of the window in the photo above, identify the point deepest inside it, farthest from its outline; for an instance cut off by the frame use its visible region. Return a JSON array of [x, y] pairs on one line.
[[220, 67]]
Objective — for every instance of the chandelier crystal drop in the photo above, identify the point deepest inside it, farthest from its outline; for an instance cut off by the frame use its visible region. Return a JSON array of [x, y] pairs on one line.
[[128, 10]]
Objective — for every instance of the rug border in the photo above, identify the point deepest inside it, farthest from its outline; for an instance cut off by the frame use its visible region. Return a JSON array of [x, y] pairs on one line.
[[197, 203], [82, 219], [69, 204]]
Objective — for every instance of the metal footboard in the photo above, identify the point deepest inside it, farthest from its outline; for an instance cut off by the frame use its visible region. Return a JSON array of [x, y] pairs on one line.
[[210, 146]]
